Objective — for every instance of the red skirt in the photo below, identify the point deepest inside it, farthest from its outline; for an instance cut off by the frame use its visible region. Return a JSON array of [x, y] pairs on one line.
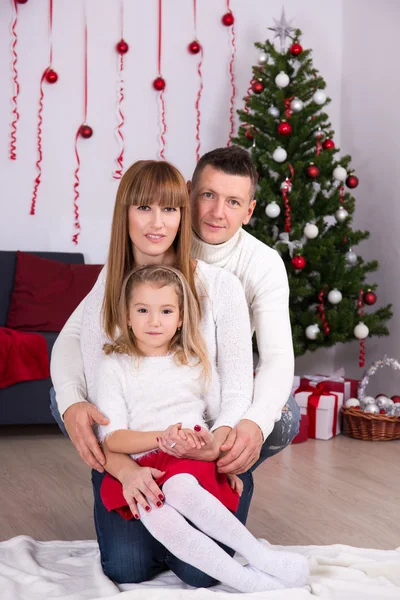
[[205, 473]]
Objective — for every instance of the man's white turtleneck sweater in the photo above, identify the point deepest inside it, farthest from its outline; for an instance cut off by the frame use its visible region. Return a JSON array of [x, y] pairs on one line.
[[264, 279]]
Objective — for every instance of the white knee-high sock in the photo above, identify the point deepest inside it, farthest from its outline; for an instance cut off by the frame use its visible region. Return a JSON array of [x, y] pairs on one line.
[[197, 549], [184, 493]]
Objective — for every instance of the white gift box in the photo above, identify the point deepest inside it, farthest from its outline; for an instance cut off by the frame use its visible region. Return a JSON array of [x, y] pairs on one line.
[[323, 412]]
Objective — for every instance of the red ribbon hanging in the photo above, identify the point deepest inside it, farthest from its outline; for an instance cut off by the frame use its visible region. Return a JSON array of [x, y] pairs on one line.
[[40, 111], [318, 144], [162, 102], [361, 359], [321, 310], [341, 194], [117, 174], [285, 191], [200, 90], [288, 111], [14, 100], [313, 402], [232, 79]]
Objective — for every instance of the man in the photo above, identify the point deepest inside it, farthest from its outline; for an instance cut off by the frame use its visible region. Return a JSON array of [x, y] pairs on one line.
[[222, 198]]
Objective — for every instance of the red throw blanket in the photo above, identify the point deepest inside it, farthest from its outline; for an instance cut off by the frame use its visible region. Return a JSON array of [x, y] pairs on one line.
[[23, 357]]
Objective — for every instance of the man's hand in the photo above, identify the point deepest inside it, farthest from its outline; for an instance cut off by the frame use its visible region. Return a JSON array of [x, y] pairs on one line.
[[79, 419], [242, 447], [199, 444]]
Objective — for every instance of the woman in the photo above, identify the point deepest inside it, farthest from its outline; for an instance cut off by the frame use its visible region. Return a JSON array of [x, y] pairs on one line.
[[151, 225]]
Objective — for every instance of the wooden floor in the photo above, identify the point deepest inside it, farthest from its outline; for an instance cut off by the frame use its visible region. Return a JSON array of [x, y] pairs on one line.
[[341, 491]]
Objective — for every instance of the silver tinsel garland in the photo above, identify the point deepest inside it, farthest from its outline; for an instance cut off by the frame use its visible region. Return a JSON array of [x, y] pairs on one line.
[[384, 362]]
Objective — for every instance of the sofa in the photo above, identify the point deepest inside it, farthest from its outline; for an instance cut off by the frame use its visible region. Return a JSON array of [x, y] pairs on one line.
[[27, 402]]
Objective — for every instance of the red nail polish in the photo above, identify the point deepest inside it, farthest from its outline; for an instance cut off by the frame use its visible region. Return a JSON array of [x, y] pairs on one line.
[[158, 439], [197, 428], [136, 516], [159, 504], [147, 508], [161, 496]]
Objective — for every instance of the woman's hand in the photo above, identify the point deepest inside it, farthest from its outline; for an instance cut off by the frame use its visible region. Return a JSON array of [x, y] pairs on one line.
[[235, 483], [139, 487], [197, 444]]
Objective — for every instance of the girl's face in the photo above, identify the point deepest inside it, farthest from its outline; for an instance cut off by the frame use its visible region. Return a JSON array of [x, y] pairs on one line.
[[154, 317], [152, 230]]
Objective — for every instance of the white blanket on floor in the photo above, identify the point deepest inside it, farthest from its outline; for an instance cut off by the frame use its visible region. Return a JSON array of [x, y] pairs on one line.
[[32, 570]]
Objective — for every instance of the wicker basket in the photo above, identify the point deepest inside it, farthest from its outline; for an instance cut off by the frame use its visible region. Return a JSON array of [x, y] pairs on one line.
[[367, 426]]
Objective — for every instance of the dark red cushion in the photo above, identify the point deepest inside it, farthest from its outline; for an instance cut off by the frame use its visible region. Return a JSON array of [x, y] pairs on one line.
[[46, 292]]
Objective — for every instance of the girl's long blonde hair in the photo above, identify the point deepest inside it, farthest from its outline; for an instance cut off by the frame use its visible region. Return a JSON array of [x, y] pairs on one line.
[[187, 344], [146, 182]]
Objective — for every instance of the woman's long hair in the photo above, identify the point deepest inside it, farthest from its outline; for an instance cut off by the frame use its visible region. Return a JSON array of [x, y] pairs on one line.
[[146, 182], [187, 345]]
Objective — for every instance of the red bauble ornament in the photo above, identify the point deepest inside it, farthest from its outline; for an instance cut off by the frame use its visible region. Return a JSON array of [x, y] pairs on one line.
[[328, 144], [122, 47], [22, 1], [369, 298], [51, 76], [159, 84], [228, 19], [250, 134], [352, 181], [257, 87], [382, 412], [299, 262], [194, 47], [284, 128], [86, 131], [295, 49], [396, 399], [356, 407], [312, 171]]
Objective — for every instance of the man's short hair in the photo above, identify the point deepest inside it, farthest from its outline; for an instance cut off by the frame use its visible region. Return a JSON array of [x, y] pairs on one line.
[[233, 160]]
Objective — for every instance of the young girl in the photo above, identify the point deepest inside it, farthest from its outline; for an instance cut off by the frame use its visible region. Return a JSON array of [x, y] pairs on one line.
[[155, 374]]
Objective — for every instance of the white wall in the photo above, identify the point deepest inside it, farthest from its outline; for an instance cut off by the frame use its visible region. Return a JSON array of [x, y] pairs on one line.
[[51, 228]]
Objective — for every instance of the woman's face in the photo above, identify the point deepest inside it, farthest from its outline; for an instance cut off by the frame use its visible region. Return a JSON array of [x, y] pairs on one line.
[[152, 230]]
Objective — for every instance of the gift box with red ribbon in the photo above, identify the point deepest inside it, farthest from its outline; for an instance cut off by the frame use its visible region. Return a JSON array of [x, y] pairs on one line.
[[337, 383], [322, 406]]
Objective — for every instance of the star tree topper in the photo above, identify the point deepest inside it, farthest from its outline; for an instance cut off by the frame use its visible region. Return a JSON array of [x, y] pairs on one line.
[[282, 29]]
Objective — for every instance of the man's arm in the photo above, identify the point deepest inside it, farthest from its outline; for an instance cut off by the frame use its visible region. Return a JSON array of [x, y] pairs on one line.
[[275, 369]]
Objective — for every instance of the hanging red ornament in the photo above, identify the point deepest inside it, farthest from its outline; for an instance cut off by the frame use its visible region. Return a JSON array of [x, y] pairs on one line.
[[299, 262], [296, 49], [321, 311], [159, 84], [51, 76], [250, 133], [122, 47], [22, 1], [369, 298], [85, 131], [360, 301], [194, 47], [257, 87], [328, 144], [313, 171], [284, 128], [352, 181], [228, 19]]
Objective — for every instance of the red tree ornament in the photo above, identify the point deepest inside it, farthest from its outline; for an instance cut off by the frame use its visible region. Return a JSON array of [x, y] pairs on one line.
[[352, 181], [328, 144], [51, 76], [228, 19], [299, 262], [122, 47], [284, 128], [159, 84], [257, 87], [396, 399], [194, 47], [86, 131], [369, 298], [296, 49], [22, 1], [313, 171]]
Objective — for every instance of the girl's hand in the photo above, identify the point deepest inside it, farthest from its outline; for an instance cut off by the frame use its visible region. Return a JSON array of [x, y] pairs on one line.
[[235, 483], [139, 487], [197, 444]]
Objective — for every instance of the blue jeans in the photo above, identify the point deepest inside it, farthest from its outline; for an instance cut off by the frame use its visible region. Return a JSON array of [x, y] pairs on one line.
[[130, 554]]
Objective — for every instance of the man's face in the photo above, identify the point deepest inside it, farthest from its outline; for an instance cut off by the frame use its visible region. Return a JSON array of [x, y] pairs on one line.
[[220, 205]]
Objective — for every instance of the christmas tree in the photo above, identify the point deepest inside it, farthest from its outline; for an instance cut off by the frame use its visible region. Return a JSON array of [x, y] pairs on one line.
[[304, 206]]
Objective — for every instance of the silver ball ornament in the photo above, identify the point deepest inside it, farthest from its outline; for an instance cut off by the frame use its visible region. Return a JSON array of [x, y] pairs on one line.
[[273, 111], [367, 400], [263, 58], [312, 332], [351, 402], [279, 155], [319, 97], [341, 214], [361, 331], [311, 231], [351, 257], [296, 105], [282, 80], [373, 409], [339, 173], [335, 296], [272, 210], [383, 402]]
